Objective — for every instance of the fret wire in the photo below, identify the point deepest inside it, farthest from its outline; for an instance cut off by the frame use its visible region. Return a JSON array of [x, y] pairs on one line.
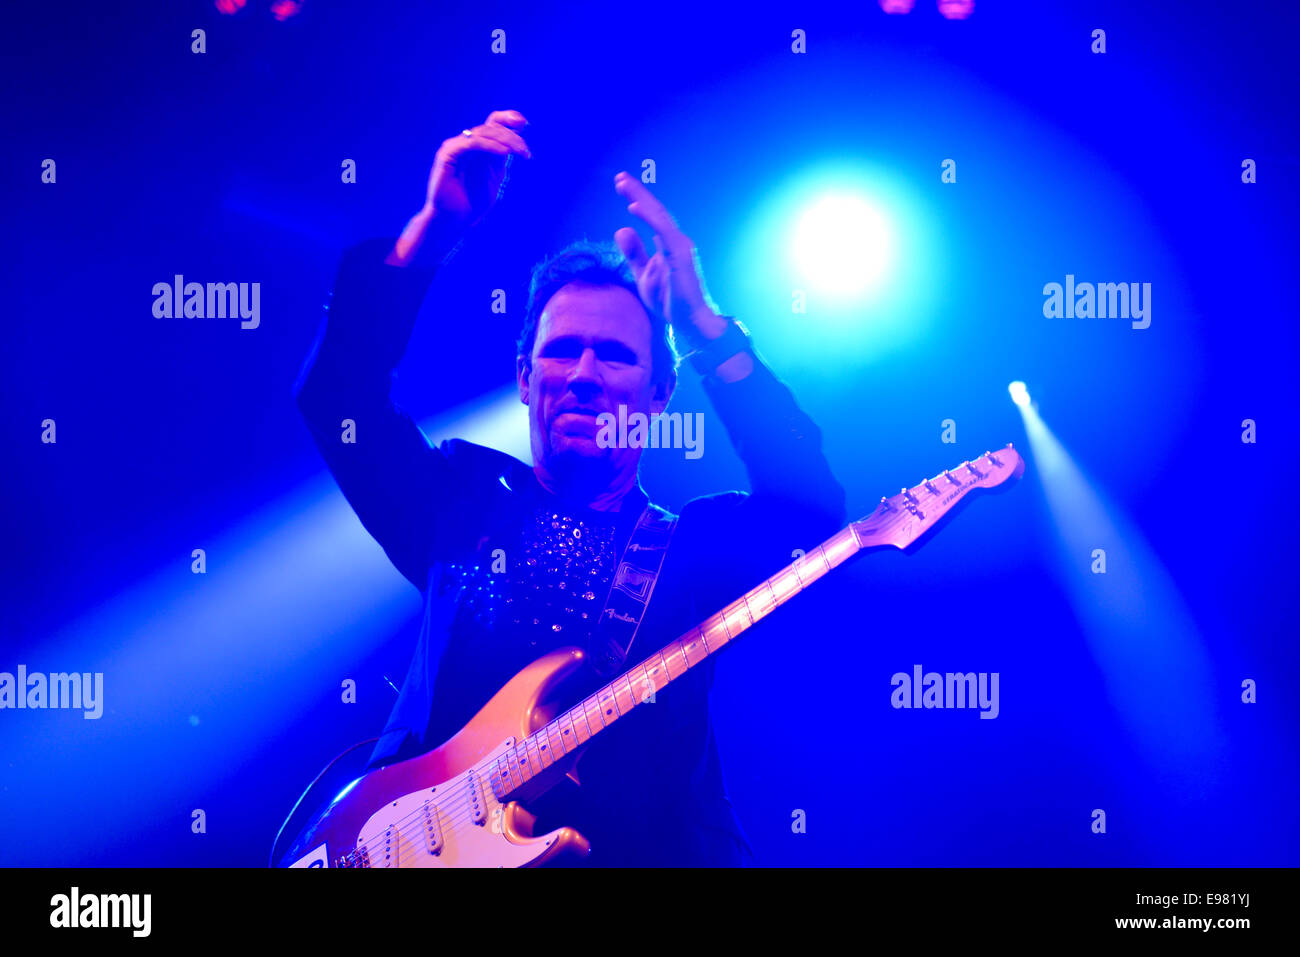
[[572, 730], [648, 677], [525, 769], [570, 734], [663, 667], [626, 678], [745, 601]]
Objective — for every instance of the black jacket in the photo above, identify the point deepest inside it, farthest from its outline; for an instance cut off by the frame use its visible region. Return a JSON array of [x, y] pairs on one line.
[[652, 789]]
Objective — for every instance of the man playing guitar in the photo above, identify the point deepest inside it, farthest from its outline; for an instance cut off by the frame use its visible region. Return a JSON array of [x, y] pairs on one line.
[[515, 561]]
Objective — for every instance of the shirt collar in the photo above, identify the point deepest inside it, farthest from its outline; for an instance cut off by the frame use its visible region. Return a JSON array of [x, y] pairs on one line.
[[520, 479]]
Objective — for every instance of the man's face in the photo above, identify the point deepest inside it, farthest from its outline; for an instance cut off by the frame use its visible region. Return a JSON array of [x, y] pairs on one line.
[[591, 355]]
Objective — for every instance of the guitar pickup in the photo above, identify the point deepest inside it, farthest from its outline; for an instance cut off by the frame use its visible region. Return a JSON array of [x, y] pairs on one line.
[[477, 803], [432, 832]]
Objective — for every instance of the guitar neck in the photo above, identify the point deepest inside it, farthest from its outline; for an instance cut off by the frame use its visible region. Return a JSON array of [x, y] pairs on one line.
[[637, 686], [898, 521]]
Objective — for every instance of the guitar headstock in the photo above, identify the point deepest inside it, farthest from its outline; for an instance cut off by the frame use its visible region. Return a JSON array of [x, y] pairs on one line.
[[901, 519]]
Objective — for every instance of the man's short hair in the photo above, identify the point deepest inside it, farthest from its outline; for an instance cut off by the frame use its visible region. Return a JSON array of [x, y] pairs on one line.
[[598, 264]]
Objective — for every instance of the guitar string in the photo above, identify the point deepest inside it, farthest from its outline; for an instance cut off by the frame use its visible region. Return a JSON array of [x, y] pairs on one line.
[[461, 811], [462, 814]]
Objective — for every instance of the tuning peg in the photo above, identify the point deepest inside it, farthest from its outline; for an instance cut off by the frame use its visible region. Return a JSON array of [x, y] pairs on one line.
[[885, 502], [948, 475], [907, 494], [929, 487]]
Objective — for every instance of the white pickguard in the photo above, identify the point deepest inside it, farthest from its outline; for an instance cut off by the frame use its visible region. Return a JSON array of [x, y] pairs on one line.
[[458, 823]]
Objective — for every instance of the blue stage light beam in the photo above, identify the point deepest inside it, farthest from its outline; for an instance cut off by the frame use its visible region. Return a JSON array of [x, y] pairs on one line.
[[1149, 650], [203, 671]]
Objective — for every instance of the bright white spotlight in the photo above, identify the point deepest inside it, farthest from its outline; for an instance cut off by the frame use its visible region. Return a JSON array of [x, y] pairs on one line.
[[843, 245], [1019, 394]]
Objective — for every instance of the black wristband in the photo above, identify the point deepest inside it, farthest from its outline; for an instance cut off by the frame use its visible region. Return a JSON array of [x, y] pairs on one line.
[[714, 352]]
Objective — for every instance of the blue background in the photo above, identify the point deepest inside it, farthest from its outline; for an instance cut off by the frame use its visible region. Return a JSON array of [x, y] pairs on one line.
[[1119, 692]]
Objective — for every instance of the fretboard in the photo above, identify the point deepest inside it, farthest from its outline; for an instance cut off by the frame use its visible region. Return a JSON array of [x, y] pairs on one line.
[[637, 686]]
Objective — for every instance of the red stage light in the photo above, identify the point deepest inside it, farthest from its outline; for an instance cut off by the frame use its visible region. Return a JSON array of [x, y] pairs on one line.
[[956, 9], [284, 9]]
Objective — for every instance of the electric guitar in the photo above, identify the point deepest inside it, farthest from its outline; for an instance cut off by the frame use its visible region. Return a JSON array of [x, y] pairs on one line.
[[459, 805]]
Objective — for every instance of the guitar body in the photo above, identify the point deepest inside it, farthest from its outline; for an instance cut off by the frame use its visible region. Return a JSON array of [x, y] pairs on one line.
[[437, 810]]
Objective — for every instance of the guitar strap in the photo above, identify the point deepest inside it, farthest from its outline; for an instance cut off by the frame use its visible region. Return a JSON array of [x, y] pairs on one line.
[[630, 590]]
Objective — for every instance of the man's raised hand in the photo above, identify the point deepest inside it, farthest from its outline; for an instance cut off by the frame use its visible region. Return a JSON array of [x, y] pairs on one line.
[[469, 172], [669, 282], [468, 177]]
